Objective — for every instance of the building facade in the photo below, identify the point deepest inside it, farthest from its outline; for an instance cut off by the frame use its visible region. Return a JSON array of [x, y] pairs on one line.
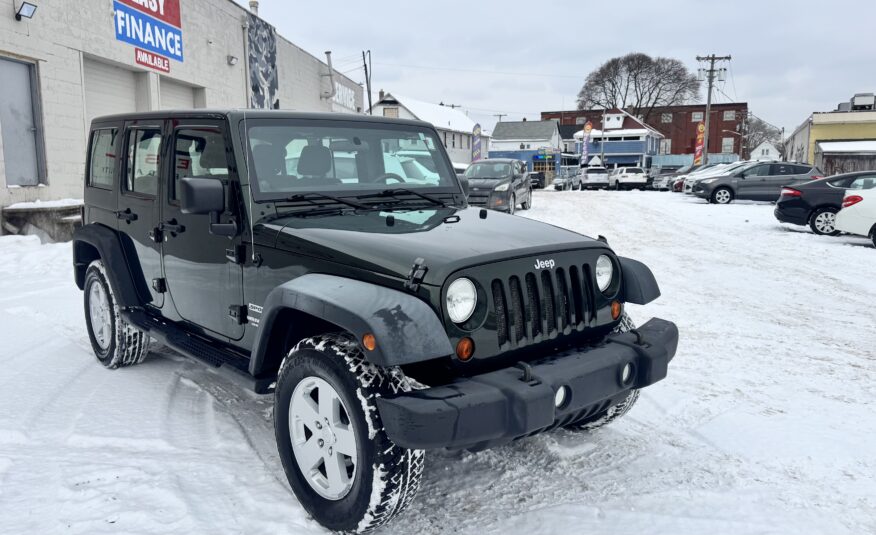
[[839, 141], [455, 128], [678, 126], [537, 143], [72, 62], [626, 141], [765, 151]]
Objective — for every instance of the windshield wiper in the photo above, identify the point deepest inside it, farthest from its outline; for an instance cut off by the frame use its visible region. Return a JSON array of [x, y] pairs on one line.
[[394, 192], [310, 197]]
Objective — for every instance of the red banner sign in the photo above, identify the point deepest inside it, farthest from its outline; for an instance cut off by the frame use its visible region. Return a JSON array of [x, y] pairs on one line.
[[163, 10], [153, 61], [701, 139]]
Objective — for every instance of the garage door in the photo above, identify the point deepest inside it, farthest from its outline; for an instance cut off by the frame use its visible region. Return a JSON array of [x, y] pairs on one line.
[[108, 90], [176, 96]]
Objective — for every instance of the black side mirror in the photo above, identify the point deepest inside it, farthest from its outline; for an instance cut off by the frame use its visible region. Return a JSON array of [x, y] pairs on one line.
[[463, 181], [205, 196]]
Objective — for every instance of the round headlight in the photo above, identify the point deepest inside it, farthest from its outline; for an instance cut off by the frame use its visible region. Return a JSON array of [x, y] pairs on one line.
[[461, 300], [604, 272]]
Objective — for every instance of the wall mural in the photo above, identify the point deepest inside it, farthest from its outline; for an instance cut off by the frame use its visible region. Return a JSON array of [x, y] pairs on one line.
[[262, 38]]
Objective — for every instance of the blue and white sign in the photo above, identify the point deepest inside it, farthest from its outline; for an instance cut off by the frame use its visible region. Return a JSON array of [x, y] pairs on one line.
[[141, 30]]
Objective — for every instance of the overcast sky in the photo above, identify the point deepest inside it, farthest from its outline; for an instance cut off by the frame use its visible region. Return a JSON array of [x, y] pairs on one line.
[[790, 58]]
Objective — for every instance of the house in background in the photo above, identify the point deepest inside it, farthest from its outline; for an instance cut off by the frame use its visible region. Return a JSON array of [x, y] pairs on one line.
[[455, 128], [538, 143], [625, 141], [765, 151]]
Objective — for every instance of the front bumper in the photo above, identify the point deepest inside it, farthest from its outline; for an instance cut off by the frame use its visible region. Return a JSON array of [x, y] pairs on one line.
[[497, 407]]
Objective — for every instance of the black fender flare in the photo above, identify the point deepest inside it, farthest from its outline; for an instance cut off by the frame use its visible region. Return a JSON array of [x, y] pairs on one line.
[[406, 328], [639, 285], [128, 282]]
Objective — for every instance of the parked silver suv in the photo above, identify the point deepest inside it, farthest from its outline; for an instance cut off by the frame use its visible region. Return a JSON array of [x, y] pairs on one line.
[[760, 182]]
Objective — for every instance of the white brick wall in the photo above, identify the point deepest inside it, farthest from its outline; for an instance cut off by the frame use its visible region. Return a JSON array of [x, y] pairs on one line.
[[63, 32]]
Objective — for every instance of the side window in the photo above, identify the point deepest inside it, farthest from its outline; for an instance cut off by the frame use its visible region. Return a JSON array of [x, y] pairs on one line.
[[801, 169], [198, 152], [840, 183], [102, 158], [144, 147], [863, 182], [759, 170], [781, 169]]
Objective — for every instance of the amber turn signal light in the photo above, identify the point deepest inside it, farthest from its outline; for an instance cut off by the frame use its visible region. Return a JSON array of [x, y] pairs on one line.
[[369, 342], [465, 349], [615, 310]]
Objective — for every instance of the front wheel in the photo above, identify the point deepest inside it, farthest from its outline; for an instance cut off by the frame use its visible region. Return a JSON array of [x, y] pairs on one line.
[[339, 462], [722, 196], [823, 221], [528, 203], [614, 412], [513, 206]]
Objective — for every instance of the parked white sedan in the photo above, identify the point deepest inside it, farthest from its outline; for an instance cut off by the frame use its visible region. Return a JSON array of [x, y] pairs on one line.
[[858, 214]]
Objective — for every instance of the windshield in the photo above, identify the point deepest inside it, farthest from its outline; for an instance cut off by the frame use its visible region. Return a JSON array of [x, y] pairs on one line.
[[634, 170], [289, 157], [488, 170]]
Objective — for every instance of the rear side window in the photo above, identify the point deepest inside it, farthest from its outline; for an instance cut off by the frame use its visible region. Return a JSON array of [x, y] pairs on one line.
[[634, 170], [782, 169], [863, 182], [199, 152], [840, 182], [144, 147], [102, 158], [801, 169]]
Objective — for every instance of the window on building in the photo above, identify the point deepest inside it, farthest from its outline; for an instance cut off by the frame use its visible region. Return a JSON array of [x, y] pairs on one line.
[[696, 116], [727, 145], [144, 146], [764, 152], [580, 120], [453, 140], [468, 142], [730, 115], [391, 112], [445, 140], [103, 158], [665, 146], [666, 118]]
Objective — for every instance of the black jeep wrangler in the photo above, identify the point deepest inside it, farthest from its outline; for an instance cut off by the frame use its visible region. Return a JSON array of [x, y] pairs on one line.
[[332, 260]]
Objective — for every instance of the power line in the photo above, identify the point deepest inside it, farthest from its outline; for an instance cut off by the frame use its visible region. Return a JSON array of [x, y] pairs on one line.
[[479, 71]]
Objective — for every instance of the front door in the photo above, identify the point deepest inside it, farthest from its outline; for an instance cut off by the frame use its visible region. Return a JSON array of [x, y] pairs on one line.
[[752, 183], [138, 204], [202, 275], [18, 124]]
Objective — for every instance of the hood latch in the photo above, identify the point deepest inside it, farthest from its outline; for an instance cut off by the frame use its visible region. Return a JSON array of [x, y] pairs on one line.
[[416, 275]]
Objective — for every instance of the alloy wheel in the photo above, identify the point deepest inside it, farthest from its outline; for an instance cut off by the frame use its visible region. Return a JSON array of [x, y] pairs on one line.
[[825, 222], [99, 315]]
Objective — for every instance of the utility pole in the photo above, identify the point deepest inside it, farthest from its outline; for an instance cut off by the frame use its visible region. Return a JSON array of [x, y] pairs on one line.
[[711, 72], [602, 140], [500, 115], [367, 65]]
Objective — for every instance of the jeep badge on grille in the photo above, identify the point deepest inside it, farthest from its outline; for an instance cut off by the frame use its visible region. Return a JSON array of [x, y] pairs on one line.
[[544, 264]]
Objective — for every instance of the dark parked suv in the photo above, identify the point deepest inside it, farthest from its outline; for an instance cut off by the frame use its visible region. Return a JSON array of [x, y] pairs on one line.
[[499, 184], [759, 182], [388, 318]]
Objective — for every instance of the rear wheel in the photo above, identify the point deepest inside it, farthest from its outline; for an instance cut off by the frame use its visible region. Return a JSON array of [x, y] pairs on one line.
[[823, 221], [339, 462], [722, 196], [614, 412]]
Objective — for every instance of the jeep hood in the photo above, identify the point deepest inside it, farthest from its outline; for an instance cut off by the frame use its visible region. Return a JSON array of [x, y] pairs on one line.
[[447, 239]]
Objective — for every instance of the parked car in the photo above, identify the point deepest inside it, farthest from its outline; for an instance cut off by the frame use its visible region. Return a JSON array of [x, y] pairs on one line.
[[567, 180], [594, 177], [858, 214], [718, 170], [702, 172], [758, 182], [385, 321], [537, 179], [499, 184], [628, 178], [678, 184], [816, 203]]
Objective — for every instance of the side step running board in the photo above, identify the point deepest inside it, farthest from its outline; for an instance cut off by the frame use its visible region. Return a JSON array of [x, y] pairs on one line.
[[196, 347]]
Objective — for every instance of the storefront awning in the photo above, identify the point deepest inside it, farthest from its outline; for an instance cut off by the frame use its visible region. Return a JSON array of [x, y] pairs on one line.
[[847, 147]]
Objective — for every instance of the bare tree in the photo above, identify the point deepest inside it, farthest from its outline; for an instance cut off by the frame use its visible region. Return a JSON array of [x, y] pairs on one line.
[[757, 131], [639, 83]]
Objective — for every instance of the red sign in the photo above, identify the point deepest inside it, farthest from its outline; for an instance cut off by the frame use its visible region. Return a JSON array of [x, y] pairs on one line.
[[153, 61], [701, 139], [163, 10]]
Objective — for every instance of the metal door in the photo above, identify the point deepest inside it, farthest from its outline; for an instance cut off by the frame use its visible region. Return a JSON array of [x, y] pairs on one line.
[[18, 124]]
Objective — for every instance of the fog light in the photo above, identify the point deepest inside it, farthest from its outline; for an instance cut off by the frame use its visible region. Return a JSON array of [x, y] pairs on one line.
[[465, 349], [616, 309], [627, 373], [561, 396]]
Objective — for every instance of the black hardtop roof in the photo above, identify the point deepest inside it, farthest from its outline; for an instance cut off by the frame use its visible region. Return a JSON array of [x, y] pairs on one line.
[[239, 113]]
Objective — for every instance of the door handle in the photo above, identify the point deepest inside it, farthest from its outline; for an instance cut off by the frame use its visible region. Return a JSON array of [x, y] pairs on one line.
[[126, 215], [172, 226]]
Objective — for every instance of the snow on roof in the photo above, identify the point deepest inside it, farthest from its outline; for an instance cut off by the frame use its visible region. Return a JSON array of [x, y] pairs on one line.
[[847, 146], [440, 116]]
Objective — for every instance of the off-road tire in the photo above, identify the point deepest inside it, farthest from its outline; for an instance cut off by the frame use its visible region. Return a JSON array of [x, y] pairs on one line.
[[716, 195], [614, 412], [386, 476], [127, 344], [814, 222]]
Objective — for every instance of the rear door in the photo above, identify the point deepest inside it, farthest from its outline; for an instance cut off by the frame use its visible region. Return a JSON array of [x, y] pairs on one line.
[[101, 169], [781, 174], [201, 270], [138, 208]]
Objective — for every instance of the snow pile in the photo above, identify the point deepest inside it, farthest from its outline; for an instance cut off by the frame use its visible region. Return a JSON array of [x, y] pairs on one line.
[[764, 424], [45, 205]]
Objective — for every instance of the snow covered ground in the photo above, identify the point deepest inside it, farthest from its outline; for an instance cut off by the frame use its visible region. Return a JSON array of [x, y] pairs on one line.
[[765, 424]]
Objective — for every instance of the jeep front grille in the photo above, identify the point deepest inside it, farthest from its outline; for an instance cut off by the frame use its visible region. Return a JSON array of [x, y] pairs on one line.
[[556, 302]]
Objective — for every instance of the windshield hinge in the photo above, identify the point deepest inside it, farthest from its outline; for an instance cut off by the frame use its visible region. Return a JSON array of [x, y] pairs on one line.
[[416, 275], [237, 254]]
